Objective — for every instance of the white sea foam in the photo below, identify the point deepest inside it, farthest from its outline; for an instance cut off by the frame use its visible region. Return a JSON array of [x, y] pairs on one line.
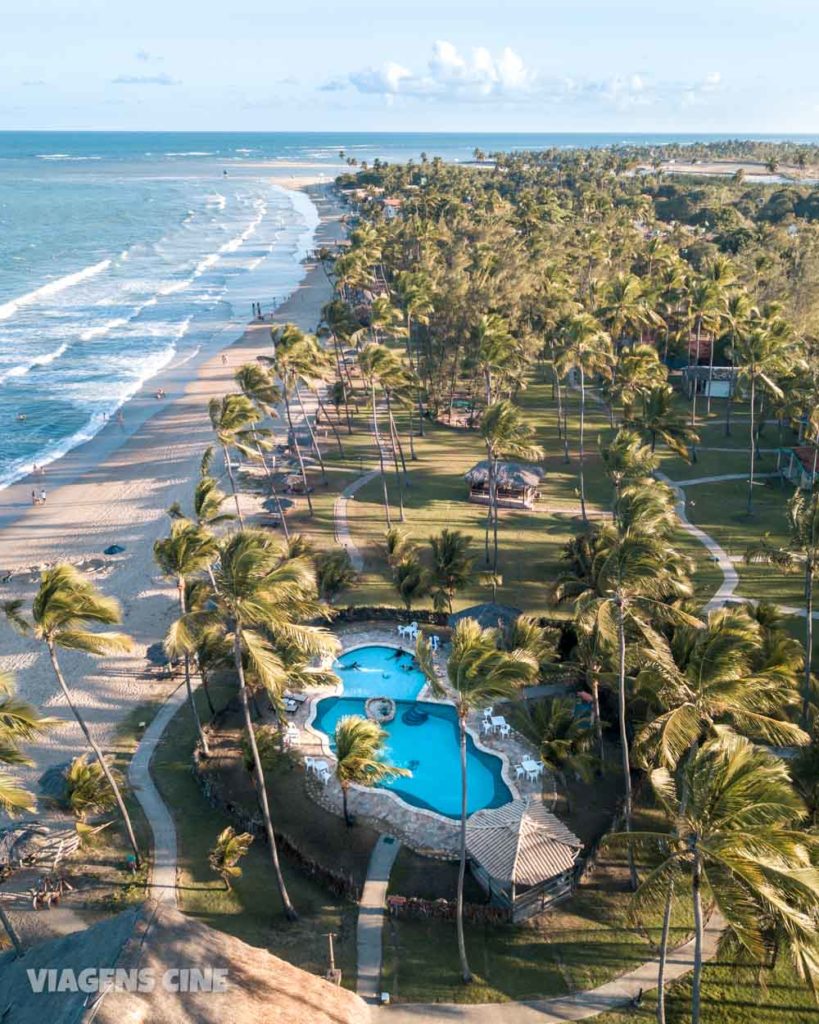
[[8, 309], [217, 200], [44, 360]]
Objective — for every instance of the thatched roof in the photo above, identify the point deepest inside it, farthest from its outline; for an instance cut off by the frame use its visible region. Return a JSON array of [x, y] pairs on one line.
[[521, 842], [30, 842], [486, 615], [260, 988], [508, 474]]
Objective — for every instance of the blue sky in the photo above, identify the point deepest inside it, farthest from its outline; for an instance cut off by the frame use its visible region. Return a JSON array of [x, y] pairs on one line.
[[438, 65]]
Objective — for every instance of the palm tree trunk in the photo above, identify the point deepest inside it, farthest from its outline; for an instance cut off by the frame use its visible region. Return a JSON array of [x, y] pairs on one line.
[[274, 493], [341, 381], [297, 447], [289, 910], [696, 980], [710, 375], [753, 450], [580, 450], [598, 724], [669, 902], [327, 419], [466, 974], [229, 468], [696, 381], [808, 636], [203, 740], [52, 653], [491, 482], [621, 705], [348, 821], [309, 425], [9, 930], [377, 439]]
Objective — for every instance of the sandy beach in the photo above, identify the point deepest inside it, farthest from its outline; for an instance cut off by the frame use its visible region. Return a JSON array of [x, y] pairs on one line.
[[115, 489]]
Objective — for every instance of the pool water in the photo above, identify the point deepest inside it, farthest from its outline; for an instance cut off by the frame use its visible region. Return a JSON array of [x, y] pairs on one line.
[[380, 672], [422, 737]]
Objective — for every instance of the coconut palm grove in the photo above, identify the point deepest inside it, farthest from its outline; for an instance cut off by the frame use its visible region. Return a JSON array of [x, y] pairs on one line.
[[486, 646]]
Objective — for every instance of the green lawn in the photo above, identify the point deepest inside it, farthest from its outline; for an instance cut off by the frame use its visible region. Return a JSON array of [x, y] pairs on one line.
[[252, 911], [732, 994]]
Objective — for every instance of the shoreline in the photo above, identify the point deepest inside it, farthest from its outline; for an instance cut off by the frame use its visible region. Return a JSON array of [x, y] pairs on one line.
[[115, 489], [174, 378]]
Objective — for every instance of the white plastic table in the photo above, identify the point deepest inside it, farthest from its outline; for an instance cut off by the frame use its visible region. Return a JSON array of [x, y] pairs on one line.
[[498, 721]]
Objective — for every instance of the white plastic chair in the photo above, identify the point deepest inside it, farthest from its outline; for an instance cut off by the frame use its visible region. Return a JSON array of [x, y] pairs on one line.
[[435, 642], [325, 775], [309, 762], [532, 776], [487, 713], [486, 727], [519, 772], [505, 729]]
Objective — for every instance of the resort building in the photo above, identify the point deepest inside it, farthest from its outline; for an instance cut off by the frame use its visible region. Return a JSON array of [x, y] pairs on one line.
[[522, 855], [799, 465], [516, 482], [718, 381]]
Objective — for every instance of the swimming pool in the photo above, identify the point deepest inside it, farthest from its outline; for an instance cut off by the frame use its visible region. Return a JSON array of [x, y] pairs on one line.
[[380, 672], [422, 737]]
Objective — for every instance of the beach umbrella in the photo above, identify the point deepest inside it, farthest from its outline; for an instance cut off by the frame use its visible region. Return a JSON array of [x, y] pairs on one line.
[[114, 549]]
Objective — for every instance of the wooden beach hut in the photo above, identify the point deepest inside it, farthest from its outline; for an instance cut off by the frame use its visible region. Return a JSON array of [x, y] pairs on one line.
[[522, 855], [797, 465], [516, 482]]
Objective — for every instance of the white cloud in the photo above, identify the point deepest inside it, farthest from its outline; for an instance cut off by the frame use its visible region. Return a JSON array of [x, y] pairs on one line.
[[449, 74], [144, 80], [483, 77]]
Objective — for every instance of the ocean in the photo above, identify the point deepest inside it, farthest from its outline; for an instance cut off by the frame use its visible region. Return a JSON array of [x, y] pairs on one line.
[[124, 253]]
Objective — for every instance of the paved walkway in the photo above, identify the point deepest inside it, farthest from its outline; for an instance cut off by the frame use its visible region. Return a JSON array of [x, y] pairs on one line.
[[730, 579], [371, 917], [341, 526], [580, 1006], [162, 868]]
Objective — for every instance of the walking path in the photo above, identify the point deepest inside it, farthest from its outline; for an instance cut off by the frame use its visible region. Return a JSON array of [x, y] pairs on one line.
[[371, 917], [579, 1006], [162, 867], [340, 523]]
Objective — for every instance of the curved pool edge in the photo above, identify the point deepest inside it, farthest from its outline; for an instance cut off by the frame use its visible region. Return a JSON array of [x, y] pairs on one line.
[[323, 741]]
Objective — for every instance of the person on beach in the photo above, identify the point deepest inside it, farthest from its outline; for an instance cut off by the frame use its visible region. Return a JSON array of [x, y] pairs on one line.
[[224, 359], [42, 496], [34, 498]]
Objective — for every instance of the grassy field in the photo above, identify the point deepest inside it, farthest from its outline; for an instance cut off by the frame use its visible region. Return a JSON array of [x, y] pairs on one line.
[[732, 994], [252, 911]]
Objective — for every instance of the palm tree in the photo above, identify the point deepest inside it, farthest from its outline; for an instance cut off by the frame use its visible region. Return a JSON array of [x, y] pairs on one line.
[[20, 722], [504, 433], [234, 418], [563, 741], [626, 457], [478, 672], [703, 315], [624, 586], [63, 608], [731, 816], [359, 748], [587, 350], [254, 383], [86, 788], [451, 566], [371, 360], [736, 313], [412, 580], [228, 850], [722, 678], [497, 352], [803, 519], [341, 324], [760, 352], [187, 551], [260, 597], [334, 573], [660, 421]]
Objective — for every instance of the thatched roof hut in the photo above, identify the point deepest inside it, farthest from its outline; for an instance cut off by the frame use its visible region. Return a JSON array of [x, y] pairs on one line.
[[516, 482], [486, 615], [259, 988], [522, 854]]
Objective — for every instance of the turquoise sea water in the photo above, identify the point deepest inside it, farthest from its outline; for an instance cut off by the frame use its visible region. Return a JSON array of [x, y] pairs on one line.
[[121, 253], [423, 737]]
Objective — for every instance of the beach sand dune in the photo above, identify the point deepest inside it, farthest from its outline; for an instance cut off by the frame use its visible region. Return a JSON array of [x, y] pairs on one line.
[[115, 490]]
